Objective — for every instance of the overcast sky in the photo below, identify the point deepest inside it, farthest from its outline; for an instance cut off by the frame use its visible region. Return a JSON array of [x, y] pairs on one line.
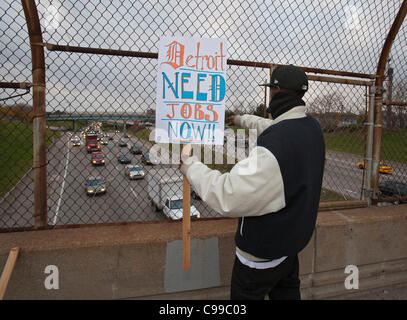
[[329, 34]]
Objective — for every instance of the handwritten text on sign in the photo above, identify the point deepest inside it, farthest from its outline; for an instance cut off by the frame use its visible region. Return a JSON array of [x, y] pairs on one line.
[[191, 87]]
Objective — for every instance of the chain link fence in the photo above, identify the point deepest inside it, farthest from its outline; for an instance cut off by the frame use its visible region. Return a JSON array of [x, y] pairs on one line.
[[337, 42]]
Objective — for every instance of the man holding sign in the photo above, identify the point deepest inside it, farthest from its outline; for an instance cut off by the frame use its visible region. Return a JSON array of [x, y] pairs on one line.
[[275, 191], [190, 105]]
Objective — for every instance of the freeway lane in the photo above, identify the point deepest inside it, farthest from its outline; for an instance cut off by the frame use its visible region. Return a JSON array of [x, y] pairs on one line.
[[343, 177], [125, 200]]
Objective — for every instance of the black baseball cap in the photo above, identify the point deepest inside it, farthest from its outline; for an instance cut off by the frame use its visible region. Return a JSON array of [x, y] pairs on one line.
[[289, 77]]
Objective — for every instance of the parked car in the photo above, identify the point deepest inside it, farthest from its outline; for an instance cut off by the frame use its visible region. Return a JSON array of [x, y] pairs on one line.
[[135, 149], [150, 159], [124, 159], [134, 172], [103, 141], [122, 143], [383, 168], [95, 185], [393, 188], [98, 158]]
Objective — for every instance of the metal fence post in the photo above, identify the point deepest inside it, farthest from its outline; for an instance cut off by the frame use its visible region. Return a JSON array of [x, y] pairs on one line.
[[39, 133], [381, 66], [367, 194]]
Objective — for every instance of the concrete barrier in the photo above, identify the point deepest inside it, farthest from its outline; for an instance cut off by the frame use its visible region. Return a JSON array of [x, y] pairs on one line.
[[143, 260]]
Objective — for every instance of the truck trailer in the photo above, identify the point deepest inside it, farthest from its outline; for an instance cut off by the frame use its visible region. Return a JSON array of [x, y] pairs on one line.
[[165, 192]]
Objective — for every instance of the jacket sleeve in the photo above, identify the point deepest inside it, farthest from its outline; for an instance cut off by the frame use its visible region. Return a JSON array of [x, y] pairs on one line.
[[253, 122], [253, 187]]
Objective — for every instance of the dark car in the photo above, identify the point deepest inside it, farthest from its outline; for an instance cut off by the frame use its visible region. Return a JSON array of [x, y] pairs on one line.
[[95, 185], [123, 158], [135, 149], [393, 189], [122, 143], [148, 158]]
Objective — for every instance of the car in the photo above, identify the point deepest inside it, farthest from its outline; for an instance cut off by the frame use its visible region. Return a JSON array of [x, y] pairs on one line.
[[150, 159], [123, 159], [103, 141], [135, 149], [122, 143], [98, 158], [393, 188], [117, 131], [95, 185], [134, 172], [75, 141], [383, 168], [110, 138]]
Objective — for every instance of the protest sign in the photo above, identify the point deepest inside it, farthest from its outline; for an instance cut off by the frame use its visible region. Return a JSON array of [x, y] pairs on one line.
[[191, 86]]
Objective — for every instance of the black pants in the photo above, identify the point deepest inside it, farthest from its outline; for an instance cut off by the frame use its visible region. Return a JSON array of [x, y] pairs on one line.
[[279, 283]]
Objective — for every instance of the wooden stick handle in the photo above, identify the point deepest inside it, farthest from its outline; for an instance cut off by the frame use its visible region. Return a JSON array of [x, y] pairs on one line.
[[7, 271], [186, 218], [186, 225]]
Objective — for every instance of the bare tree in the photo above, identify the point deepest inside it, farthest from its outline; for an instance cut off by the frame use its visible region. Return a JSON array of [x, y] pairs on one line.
[[328, 109], [400, 94]]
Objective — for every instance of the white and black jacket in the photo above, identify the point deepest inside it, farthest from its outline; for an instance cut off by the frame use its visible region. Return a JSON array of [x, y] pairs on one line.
[[275, 190]]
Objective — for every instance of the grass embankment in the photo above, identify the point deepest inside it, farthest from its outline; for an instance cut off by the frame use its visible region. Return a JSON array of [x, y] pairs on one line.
[[16, 156], [394, 143], [67, 124]]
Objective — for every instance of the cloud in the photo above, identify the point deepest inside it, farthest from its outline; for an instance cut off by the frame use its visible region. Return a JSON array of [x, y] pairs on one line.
[[314, 33]]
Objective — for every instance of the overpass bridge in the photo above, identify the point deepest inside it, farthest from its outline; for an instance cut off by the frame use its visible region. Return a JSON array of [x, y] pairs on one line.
[[115, 119]]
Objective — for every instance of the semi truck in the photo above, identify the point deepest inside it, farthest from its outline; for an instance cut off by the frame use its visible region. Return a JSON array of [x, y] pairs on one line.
[[164, 187], [92, 143]]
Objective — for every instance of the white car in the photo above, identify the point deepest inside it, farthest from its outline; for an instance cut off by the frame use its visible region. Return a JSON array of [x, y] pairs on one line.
[[75, 141], [173, 210], [134, 172]]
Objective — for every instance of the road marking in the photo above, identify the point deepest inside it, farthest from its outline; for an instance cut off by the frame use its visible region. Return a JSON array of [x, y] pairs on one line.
[[347, 190], [133, 192], [62, 187]]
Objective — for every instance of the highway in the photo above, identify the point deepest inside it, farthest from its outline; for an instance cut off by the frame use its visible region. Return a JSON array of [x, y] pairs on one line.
[[126, 200], [67, 170]]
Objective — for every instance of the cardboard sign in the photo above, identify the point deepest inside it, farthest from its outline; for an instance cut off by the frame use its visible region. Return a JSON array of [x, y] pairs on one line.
[[191, 86]]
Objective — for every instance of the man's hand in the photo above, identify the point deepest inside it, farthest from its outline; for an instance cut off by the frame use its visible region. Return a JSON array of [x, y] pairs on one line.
[[185, 153], [230, 121]]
